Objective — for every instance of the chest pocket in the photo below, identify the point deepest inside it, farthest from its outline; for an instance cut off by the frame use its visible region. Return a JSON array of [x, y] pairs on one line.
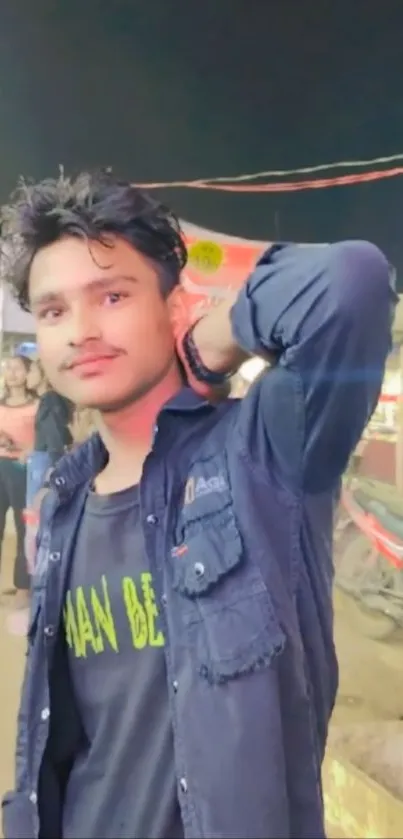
[[227, 614]]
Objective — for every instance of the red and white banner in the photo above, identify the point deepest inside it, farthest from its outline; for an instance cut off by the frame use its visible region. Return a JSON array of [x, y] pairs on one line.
[[216, 265]]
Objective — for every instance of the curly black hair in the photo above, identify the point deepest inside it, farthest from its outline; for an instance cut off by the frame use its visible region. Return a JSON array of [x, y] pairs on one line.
[[94, 207]]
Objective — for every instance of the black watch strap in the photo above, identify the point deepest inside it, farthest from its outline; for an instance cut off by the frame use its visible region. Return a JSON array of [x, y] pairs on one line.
[[196, 366]]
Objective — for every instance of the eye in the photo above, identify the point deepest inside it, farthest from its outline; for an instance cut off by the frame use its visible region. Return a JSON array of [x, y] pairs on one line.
[[114, 297], [50, 314]]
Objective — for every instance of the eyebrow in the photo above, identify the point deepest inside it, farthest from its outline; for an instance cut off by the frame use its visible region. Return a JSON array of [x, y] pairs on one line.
[[96, 283]]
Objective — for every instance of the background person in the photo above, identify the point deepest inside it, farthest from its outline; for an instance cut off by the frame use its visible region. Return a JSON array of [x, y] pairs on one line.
[[52, 429], [17, 418], [52, 438]]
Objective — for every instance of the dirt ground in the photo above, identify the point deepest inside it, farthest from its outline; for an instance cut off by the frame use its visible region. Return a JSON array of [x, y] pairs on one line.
[[371, 675]]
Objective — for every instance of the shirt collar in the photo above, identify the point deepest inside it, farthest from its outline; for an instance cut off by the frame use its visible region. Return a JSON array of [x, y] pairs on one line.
[[79, 466]]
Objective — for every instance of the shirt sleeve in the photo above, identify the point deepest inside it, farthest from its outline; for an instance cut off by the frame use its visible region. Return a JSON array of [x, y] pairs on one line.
[[326, 313]]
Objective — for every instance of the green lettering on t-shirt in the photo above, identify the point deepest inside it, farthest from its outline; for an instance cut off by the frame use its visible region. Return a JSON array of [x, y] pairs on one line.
[[85, 629], [135, 613], [70, 626], [155, 638], [103, 617]]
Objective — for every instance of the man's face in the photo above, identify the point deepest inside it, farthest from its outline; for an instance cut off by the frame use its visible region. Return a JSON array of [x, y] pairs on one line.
[[103, 327]]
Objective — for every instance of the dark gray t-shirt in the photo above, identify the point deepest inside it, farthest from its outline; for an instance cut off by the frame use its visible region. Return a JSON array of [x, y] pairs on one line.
[[123, 785]]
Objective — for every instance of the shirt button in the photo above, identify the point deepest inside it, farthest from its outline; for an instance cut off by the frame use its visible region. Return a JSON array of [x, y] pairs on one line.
[[54, 556], [49, 631], [199, 569], [33, 797], [60, 482], [183, 784], [164, 599], [151, 519], [45, 714], [175, 686]]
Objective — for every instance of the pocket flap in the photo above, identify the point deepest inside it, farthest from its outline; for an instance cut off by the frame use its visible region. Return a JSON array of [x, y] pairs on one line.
[[200, 563]]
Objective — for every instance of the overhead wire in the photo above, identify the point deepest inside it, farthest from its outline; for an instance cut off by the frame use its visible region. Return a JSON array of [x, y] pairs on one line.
[[236, 183], [222, 185]]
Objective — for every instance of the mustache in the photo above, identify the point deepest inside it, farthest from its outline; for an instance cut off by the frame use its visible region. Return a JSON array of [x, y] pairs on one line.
[[77, 355]]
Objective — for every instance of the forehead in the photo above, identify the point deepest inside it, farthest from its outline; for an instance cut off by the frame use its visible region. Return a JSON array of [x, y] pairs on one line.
[[14, 364], [71, 263]]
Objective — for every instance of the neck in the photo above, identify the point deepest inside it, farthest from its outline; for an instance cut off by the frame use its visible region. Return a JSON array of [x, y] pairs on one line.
[[41, 389], [128, 435], [17, 394]]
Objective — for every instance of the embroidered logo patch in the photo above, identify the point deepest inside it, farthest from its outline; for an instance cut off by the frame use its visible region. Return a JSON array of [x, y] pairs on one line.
[[199, 487]]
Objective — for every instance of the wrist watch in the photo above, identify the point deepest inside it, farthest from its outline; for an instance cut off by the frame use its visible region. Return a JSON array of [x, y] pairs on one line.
[[196, 366]]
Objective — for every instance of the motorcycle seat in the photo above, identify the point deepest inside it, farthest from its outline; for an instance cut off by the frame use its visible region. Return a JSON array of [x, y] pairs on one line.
[[388, 520]]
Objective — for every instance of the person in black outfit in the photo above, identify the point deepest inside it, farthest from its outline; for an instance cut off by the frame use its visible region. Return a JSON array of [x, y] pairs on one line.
[[52, 430]]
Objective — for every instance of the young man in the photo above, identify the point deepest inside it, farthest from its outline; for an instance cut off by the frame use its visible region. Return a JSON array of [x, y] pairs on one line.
[[181, 671]]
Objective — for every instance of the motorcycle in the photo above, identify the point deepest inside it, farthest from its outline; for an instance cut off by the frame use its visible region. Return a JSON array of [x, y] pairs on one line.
[[369, 561]]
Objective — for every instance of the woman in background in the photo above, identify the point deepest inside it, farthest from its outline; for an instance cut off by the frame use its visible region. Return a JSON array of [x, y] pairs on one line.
[[17, 421]]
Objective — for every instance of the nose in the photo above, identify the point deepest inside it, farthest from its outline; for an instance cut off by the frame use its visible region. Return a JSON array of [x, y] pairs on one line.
[[83, 325]]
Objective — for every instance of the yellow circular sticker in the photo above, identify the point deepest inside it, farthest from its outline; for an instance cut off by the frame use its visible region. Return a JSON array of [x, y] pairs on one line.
[[206, 257]]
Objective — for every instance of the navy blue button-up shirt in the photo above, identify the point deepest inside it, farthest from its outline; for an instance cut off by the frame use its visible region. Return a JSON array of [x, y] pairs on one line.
[[237, 504]]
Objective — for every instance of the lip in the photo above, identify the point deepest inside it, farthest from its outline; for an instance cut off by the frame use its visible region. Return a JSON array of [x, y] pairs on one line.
[[91, 365]]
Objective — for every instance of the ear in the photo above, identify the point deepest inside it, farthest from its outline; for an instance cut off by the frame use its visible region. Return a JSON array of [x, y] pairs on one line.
[[179, 309]]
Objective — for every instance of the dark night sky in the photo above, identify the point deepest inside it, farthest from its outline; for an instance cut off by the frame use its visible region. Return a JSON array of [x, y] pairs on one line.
[[185, 88]]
